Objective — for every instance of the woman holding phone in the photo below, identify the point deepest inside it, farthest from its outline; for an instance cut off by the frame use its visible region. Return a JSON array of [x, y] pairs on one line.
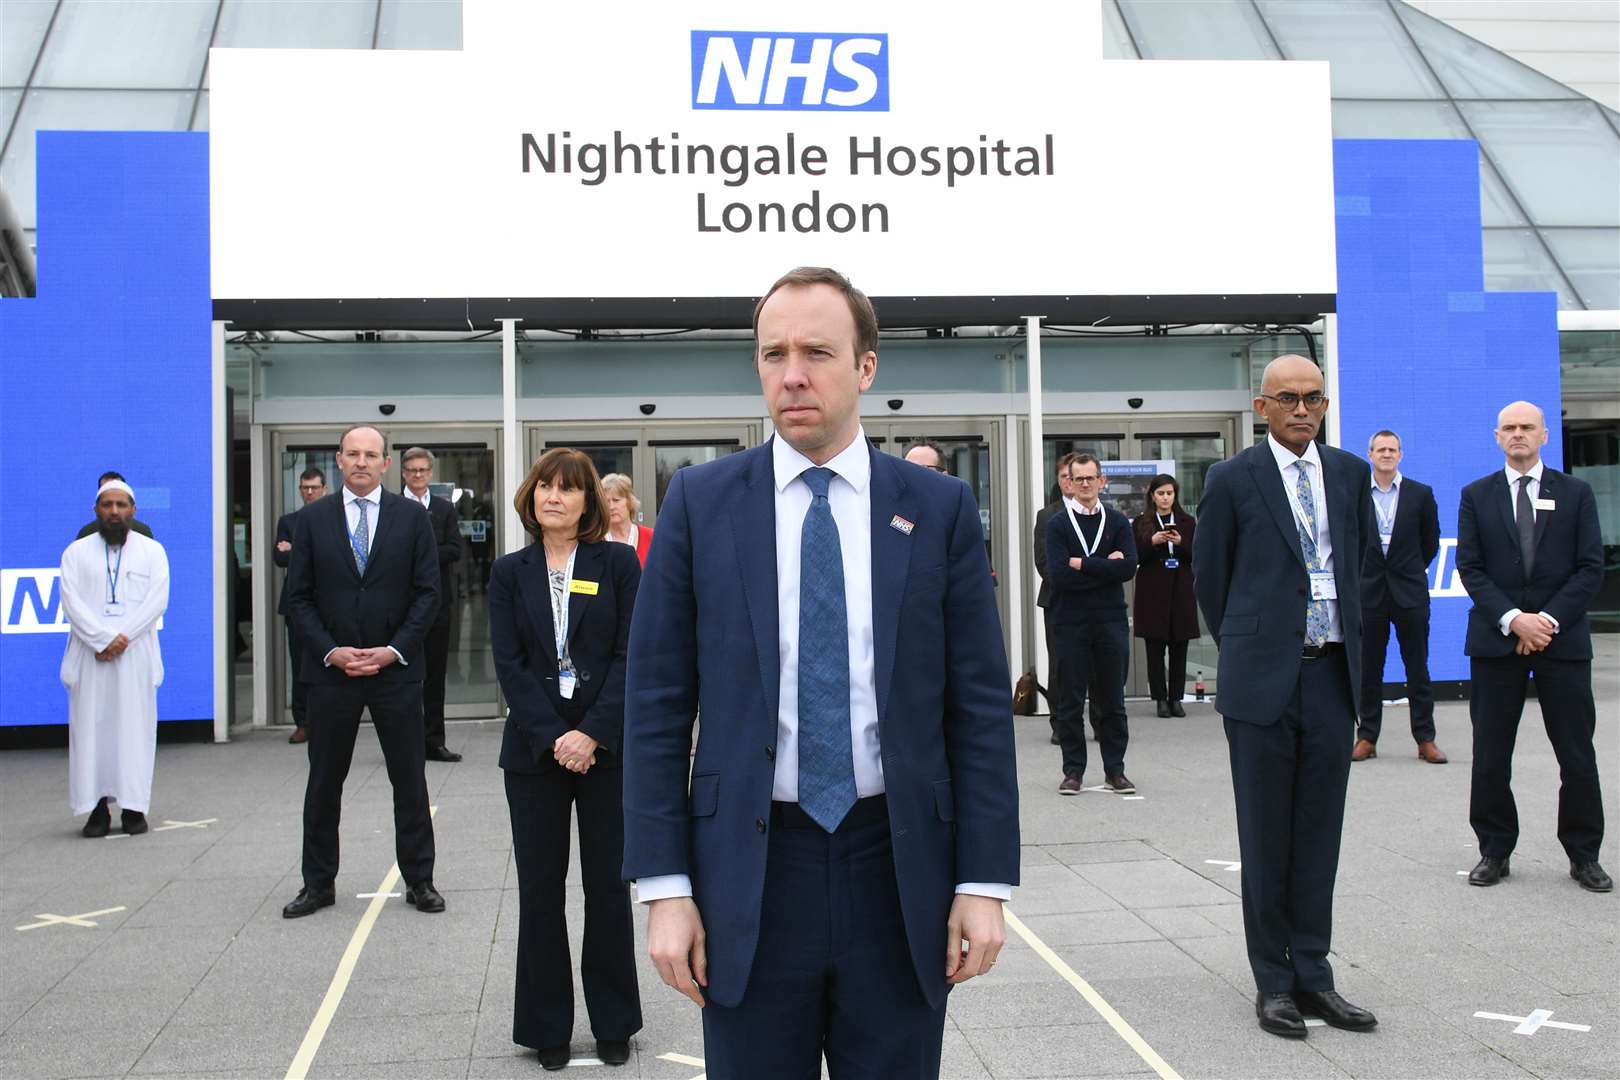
[[1166, 610]]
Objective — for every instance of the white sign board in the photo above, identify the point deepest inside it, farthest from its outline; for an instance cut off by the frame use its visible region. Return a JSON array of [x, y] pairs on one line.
[[683, 150]]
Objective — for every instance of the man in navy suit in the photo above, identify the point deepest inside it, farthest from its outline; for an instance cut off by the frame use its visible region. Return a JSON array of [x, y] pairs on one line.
[[1277, 568], [1530, 554], [850, 830], [1395, 590]]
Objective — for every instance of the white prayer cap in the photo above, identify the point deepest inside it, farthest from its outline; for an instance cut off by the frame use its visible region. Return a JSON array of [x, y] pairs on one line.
[[115, 485]]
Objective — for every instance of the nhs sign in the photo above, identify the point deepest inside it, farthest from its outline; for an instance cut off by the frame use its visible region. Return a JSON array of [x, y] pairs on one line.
[[31, 602], [733, 69]]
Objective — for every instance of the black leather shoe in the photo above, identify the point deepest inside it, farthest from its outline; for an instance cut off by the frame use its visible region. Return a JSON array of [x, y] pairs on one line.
[[1489, 871], [440, 753], [308, 901], [553, 1058], [425, 898], [1163, 709], [134, 822], [1279, 1015], [99, 821], [1176, 709], [613, 1051], [1339, 1013], [1590, 876], [1054, 740]]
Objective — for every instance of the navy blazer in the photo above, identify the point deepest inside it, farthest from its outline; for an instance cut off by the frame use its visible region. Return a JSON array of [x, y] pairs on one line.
[[1250, 578], [1568, 569], [1098, 587], [1400, 578], [331, 604], [284, 532], [524, 639], [705, 638]]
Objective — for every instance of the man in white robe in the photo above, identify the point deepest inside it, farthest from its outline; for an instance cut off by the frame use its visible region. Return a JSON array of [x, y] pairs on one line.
[[115, 588]]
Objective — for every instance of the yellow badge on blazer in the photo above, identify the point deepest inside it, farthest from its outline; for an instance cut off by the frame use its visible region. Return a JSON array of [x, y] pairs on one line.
[[584, 588]]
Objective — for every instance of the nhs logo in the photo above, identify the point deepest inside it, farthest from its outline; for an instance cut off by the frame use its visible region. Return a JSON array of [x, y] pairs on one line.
[[31, 602], [733, 69]]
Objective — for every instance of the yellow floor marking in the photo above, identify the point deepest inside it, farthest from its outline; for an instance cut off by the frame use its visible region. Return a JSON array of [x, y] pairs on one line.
[[299, 1069], [1094, 999]]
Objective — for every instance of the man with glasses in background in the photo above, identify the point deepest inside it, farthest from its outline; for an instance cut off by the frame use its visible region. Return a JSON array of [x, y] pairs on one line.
[[418, 469], [928, 455], [311, 486]]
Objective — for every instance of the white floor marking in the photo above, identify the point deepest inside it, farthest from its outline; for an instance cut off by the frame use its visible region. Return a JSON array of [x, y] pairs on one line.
[[47, 919], [682, 1059], [1094, 999], [1231, 866], [1529, 1025], [116, 836], [1128, 798], [203, 824], [374, 895], [299, 1069], [1315, 1021]]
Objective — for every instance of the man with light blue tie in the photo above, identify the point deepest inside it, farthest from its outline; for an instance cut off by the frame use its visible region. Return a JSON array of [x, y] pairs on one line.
[[840, 854]]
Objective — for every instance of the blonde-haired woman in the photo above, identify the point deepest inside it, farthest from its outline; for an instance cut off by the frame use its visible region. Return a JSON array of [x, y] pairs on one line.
[[622, 508]]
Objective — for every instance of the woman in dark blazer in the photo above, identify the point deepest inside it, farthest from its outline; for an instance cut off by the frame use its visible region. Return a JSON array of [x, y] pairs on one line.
[[1166, 610], [559, 614]]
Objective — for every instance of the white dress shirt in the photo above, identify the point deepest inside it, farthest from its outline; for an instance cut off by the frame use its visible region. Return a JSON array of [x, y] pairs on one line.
[[351, 510], [1386, 504], [1534, 473], [411, 495], [1289, 464]]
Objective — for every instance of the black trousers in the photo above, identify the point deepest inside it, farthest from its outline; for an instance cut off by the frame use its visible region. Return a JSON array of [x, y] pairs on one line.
[[334, 721], [1289, 779], [1176, 688], [832, 973], [543, 1009], [436, 654], [1054, 670], [1412, 631], [300, 692], [1564, 689], [1093, 657]]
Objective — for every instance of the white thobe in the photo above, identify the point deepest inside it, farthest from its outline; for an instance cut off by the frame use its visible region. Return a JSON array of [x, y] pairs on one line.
[[112, 704]]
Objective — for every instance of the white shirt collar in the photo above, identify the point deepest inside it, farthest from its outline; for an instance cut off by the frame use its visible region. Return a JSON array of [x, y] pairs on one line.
[[1286, 457], [1394, 485], [350, 498], [1080, 508], [853, 462], [409, 494], [1534, 473]]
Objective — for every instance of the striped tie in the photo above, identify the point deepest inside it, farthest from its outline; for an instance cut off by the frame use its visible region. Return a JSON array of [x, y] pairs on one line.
[[360, 539], [1317, 619]]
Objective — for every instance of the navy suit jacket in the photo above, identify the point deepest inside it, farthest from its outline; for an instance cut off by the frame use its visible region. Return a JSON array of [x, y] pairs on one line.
[[524, 640], [1250, 578], [704, 637], [1568, 568], [1400, 578]]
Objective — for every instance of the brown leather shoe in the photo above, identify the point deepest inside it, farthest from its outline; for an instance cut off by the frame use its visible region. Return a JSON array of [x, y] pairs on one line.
[[299, 735], [1432, 753], [1363, 750]]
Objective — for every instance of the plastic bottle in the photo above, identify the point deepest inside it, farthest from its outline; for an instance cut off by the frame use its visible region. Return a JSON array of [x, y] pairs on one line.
[[1198, 687]]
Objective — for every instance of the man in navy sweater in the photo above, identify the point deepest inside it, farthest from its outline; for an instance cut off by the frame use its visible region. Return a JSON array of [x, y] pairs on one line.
[[1090, 554]]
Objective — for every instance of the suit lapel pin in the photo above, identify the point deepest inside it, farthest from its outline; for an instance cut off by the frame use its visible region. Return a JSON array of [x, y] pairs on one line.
[[901, 525]]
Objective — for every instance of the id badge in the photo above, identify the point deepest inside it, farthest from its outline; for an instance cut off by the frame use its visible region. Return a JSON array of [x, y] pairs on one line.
[[1384, 539], [565, 684], [1171, 563], [114, 608], [1323, 587]]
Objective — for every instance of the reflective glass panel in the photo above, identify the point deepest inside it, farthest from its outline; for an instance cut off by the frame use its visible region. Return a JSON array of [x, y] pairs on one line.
[[1591, 259], [419, 24], [134, 43], [667, 459], [1397, 120], [1516, 262], [1561, 158], [1371, 54], [1198, 30], [1116, 39], [199, 119], [22, 28], [1496, 205], [1471, 69], [8, 110], [1590, 360], [80, 110], [1193, 454], [297, 24]]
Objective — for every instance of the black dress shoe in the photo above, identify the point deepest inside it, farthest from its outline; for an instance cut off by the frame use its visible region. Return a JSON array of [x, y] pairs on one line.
[[1489, 871], [1339, 1013], [1176, 709], [1279, 1015], [613, 1051], [424, 897], [99, 821], [553, 1058], [1054, 740], [134, 822], [440, 753], [1590, 876], [308, 901], [1163, 709]]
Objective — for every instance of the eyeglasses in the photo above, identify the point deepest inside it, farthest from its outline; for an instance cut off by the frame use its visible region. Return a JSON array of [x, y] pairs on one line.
[[419, 472], [1084, 479], [1290, 400]]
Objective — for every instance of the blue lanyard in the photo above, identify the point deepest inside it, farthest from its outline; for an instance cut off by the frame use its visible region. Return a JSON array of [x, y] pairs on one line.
[[113, 572]]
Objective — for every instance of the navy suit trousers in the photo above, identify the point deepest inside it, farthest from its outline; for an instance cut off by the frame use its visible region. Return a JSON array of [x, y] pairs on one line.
[[832, 974]]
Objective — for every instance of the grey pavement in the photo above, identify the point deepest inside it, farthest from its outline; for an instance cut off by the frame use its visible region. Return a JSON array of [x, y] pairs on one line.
[[190, 970]]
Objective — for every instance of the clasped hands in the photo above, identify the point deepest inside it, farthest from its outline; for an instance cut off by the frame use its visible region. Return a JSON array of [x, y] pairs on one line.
[[974, 935], [1534, 631], [575, 751], [115, 648], [1076, 560], [360, 663]]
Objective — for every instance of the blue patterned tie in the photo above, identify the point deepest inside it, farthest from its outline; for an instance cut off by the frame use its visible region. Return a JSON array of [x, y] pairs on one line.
[[1317, 619], [826, 764], [360, 539]]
